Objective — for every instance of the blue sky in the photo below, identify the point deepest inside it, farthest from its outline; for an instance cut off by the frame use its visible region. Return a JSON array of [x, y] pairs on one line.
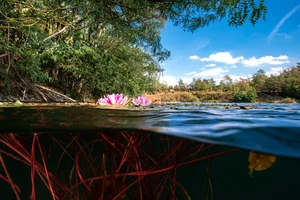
[[217, 50]]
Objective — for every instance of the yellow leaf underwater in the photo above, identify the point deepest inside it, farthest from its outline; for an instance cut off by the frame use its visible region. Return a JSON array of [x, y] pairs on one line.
[[259, 161]]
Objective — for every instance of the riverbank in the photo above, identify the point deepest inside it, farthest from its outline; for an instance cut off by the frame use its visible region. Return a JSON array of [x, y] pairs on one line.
[[212, 97], [160, 98]]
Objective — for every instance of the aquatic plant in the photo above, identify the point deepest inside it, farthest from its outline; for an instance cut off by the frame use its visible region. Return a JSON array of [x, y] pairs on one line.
[[113, 99], [103, 165], [141, 101]]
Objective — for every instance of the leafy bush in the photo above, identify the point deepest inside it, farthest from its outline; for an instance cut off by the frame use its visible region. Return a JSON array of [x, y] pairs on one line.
[[288, 100], [188, 97], [247, 95]]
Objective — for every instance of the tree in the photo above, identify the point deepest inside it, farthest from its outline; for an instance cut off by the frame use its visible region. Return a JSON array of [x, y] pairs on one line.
[[182, 85], [38, 40], [291, 85], [244, 92], [259, 79], [227, 83]]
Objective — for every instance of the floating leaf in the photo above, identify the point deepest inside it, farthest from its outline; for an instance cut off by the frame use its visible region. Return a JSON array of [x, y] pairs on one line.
[[260, 161], [17, 103]]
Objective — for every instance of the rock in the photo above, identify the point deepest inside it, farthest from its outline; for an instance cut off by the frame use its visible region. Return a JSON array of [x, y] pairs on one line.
[[243, 108]]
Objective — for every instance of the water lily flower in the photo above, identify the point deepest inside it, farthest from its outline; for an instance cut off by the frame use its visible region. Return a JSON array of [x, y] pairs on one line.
[[141, 101], [113, 99]]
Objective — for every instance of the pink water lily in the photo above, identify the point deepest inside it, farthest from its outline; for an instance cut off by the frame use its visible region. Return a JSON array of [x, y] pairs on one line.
[[113, 99], [141, 101]]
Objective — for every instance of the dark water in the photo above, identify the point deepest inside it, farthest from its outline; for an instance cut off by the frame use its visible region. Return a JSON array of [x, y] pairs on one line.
[[266, 128]]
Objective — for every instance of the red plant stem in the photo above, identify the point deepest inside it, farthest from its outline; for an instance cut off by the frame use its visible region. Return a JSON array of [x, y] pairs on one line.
[[45, 168], [64, 152], [200, 149], [173, 150], [126, 155], [161, 188], [14, 144], [33, 197], [174, 184], [85, 155], [129, 152], [139, 166], [15, 188], [207, 157], [78, 170], [24, 162], [144, 153], [151, 148], [141, 173], [112, 144]]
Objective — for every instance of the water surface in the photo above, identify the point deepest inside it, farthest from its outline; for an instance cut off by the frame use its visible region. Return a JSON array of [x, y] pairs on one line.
[[268, 128]]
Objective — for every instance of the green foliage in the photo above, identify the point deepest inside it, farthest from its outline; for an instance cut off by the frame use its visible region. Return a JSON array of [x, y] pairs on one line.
[[286, 84], [258, 79], [185, 97], [202, 85], [291, 83], [88, 48], [81, 69], [192, 15], [246, 94]]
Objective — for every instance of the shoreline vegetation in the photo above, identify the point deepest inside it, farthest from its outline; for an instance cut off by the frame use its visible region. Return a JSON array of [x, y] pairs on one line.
[[160, 98], [281, 88]]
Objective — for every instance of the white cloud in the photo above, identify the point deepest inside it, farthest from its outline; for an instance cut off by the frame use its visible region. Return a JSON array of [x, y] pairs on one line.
[[198, 44], [274, 71], [270, 60], [222, 57], [281, 22], [237, 78], [285, 35], [211, 65], [170, 80], [227, 58], [194, 57], [187, 80], [212, 72], [190, 73]]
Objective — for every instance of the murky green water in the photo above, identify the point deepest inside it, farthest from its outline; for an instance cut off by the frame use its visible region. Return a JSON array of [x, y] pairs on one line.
[[266, 128]]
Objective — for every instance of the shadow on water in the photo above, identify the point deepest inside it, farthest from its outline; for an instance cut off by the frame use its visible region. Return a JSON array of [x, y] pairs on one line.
[[150, 154]]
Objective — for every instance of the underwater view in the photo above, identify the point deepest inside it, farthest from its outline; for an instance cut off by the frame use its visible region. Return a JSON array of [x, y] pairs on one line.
[[172, 151]]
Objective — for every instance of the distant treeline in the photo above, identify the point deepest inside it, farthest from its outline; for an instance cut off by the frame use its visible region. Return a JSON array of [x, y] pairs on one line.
[[285, 84]]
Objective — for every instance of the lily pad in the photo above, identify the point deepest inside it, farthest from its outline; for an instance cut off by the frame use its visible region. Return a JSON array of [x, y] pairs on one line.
[[17, 103]]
